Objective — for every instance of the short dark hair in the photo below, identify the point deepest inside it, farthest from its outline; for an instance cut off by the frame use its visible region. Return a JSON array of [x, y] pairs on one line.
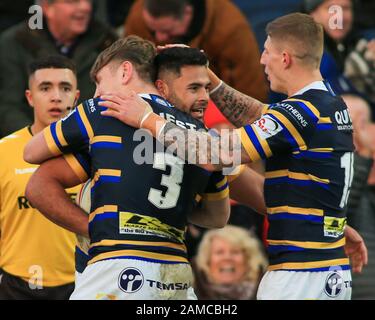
[[52, 62], [162, 8], [138, 51], [173, 59], [301, 32]]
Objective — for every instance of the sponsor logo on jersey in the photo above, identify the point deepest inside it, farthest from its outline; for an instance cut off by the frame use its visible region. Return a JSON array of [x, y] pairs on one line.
[[266, 127], [295, 114], [182, 124], [161, 101], [343, 120], [91, 104], [130, 280], [167, 286], [334, 227], [334, 285]]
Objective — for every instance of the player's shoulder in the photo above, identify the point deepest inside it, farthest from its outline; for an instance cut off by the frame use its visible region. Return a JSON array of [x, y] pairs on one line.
[[166, 110], [18, 137], [297, 108]]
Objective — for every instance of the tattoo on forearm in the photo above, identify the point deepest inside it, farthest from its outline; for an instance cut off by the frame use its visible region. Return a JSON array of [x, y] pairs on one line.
[[237, 107], [197, 147]]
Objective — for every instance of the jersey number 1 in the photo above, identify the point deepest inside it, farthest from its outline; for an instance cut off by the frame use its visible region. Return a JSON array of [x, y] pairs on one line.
[[171, 181], [347, 164]]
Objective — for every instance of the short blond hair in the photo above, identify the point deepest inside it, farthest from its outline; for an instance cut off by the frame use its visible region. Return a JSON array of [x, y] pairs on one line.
[[245, 240], [302, 33], [138, 51]]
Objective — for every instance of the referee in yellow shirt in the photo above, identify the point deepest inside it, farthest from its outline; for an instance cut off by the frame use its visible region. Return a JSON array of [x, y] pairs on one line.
[[36, 256]]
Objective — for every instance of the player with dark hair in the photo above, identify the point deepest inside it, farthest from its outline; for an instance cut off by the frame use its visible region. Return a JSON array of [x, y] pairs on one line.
[[140, 204], [307, 143]]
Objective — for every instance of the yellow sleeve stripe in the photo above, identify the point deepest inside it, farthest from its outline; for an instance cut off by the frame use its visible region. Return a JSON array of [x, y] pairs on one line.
[[51, 144], [76, 167], [265, 108], [139, 254], [85, 121], [309, 265], [222, 183], [216, 196], [289, 126], [110, 243], [295, 175], [308, 104], [102, 210], [319, 150], [308, 244], [324, 120], [248, 146], [109, 172], [60, 134], [296, 210], [97, 139]]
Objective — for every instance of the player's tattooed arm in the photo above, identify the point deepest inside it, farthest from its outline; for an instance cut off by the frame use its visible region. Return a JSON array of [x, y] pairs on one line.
[[200, 148], [237, 107]]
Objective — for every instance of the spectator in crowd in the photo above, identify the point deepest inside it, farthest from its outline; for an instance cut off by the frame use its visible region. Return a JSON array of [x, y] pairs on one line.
[[229, 265], [361, 202], [67, 29], [13, 12], [215, 26], [338, 40], [343, 49], [37, 256], [364, 22]]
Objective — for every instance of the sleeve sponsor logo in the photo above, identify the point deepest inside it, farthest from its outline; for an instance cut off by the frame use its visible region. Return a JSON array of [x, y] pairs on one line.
[[294, 113], [266, 127]]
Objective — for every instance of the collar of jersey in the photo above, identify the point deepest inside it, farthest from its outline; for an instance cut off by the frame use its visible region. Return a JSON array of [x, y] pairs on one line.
[[156, 98], [316, 85]]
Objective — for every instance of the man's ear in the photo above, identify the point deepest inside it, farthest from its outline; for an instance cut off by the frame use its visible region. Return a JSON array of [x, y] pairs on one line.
[[287, 59], [127, 70], [162, 88], [78, 94], [29, 98]]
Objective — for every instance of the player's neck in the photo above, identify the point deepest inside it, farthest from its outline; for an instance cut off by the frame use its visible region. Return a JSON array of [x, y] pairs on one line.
[[143, 87], [302, 80], [36, 127]]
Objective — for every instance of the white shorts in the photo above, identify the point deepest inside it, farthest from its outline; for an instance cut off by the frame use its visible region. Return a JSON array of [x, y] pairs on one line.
[[300, 285], [126, 279]]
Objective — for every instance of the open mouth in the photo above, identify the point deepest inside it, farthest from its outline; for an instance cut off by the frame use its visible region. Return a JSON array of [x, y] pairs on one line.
[[55, 112], [227, 270]]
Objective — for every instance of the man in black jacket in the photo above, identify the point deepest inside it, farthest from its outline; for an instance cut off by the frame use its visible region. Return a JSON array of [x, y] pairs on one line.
[[68, 29]]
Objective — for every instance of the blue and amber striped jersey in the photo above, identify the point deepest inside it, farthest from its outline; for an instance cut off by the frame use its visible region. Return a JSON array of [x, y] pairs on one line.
[[307, 141], [138, 210]]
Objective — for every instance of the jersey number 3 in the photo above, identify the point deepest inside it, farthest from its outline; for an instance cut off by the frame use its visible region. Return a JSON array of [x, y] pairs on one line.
[[172, 181]]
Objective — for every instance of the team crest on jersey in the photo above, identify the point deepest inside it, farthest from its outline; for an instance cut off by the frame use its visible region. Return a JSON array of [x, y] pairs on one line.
[[334, 285], [266, 127], [130, 280]]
